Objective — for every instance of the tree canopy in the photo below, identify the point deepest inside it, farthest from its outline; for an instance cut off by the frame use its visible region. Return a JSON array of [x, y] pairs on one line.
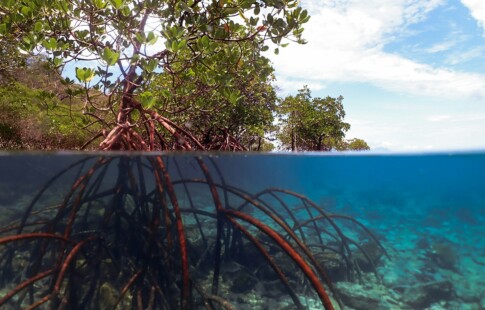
[[315, 124], [134, 43], [232, 103]]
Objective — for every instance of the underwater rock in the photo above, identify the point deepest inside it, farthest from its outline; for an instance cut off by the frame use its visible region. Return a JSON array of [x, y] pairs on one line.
[[444, 256], [250, 256], [333, 265], [368, 296], [243, 282], [107, 296], [274, 289], [374, 255], [423, 295], [423, 243], [359, 300], [196, 247], [266, 273], [4, 292], [466, 291], [241, 279]]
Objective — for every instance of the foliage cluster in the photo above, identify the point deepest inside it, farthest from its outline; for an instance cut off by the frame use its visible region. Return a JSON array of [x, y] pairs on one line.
[[11, 58], [33, 114], [233, 101], [134, 42], [315, 124]]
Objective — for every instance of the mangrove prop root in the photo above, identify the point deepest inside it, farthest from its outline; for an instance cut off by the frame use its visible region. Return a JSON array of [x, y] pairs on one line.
[[279, 221], [271, 261], [307, 270], [32, 236], [180, 231], [130, 235], [220, 223], [126, 287], [25, 284]]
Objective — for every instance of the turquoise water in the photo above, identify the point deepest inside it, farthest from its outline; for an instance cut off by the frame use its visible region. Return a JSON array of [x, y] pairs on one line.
[[426, 210]]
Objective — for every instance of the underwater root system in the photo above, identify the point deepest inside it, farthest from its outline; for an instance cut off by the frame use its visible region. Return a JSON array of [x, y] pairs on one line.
[[131, 232]]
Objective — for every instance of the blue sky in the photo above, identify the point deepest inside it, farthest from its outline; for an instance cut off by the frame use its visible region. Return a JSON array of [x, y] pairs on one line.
[[412, 72]]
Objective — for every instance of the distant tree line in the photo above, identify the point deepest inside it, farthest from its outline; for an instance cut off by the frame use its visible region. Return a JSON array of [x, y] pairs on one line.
[[314, 124]]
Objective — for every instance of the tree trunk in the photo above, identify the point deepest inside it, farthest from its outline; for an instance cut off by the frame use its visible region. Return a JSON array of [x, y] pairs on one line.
[[319, 144]]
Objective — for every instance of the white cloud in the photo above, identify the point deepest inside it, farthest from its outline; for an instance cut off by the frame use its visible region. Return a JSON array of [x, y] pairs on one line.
[[477, 10], [287, 86], [436, 132], [463, 117], [441, 47], [346, 40], [464, 56], [438, 118]]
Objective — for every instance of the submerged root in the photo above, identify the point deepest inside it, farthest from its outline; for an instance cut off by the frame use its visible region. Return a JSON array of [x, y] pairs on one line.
[[134, 233]]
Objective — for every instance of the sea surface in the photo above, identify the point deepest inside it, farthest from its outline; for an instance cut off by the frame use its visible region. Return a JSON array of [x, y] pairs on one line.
[[427, 210]]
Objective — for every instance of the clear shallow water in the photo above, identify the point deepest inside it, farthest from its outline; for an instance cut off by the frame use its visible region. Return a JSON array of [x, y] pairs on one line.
[[427, 210]]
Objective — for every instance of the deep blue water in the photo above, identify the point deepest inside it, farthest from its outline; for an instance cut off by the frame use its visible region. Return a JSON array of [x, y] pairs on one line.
[[427, 210]]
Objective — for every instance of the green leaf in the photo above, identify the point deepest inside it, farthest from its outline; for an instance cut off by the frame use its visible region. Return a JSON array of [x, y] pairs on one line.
[[303, 14], [80, 74], [135, 59], [257, 9], [247, 4], [140, 37], [3, 28], [233, 98], [57, 61], [84, 74], [100, 4], [175, 46], [109, 56], [26, 11], [183, 6], [89, 75], [230, 10], [50, 45], [269, 18], [292, 4], [150, 66], [305, 20], [63, 5], [82, 34], [38, 27], [205, 41], [147, 99], [125, 11], [151, 38], [253, 21], [182, 44], [117, 4]]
